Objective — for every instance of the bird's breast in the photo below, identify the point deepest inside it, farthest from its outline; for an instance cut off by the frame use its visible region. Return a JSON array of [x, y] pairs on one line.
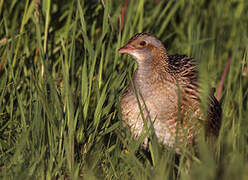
[[157, 106]]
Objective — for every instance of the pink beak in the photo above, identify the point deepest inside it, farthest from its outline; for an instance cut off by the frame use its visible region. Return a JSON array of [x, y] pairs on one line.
[[126, 49]]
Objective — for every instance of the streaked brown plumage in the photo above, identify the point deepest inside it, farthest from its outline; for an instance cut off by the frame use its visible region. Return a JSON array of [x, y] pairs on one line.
[[168, 85]]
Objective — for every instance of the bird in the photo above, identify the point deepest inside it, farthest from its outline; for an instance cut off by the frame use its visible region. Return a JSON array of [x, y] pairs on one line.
[[164, 94]]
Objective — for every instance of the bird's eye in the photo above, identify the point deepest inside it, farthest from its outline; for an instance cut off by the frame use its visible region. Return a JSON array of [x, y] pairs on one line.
[[142, 43]]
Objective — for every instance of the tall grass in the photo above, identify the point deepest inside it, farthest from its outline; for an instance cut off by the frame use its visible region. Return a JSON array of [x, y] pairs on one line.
[[61, 78]]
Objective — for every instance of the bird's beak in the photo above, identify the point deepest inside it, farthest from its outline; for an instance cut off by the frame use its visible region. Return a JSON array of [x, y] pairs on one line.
[[126, 49]]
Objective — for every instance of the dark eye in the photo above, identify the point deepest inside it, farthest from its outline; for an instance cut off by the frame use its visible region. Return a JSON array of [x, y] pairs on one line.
[[142, 43]]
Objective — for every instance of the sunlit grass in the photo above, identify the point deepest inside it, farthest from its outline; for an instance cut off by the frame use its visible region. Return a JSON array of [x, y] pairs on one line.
[[61, 78]]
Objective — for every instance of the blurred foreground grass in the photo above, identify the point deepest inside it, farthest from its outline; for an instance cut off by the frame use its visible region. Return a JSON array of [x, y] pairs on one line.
[[61, 78]]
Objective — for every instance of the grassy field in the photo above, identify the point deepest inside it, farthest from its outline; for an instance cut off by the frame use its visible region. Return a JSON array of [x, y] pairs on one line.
[[61, 78]]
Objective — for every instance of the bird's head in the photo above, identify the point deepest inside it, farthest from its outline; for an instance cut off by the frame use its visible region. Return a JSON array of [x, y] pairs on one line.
[[144, 47]]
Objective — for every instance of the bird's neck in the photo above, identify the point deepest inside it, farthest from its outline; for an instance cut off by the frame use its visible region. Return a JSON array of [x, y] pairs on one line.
[[143, 74], [151, 71]]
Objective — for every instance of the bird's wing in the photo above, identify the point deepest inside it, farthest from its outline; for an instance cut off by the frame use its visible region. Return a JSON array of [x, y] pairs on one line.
[[184, 68]]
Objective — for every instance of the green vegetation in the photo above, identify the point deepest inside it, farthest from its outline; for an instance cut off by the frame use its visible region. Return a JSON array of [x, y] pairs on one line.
[[61, 78]]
